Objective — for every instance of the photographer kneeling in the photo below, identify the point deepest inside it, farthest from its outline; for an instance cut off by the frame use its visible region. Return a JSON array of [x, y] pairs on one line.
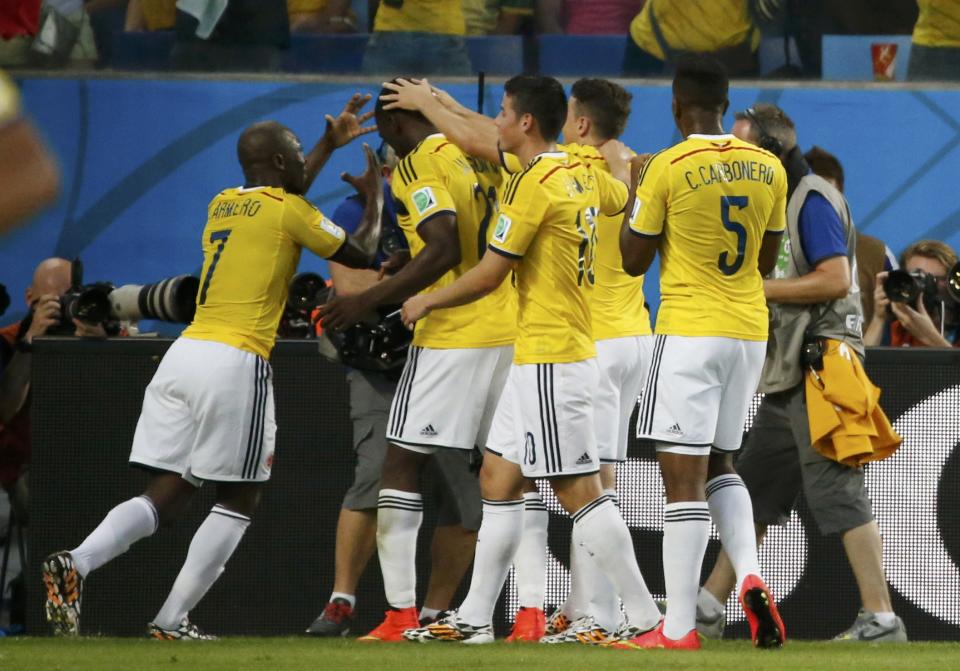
[[913, 305]]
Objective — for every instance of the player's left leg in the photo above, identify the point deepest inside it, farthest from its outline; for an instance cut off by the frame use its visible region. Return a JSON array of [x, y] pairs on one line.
[[530, 568]]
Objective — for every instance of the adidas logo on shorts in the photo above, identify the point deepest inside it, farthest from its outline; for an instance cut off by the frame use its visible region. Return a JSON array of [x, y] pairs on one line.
[[428, 430], [675, 430], [584, 459]]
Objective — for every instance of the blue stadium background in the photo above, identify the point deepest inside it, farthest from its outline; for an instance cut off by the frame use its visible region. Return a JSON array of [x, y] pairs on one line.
[[141, 159]]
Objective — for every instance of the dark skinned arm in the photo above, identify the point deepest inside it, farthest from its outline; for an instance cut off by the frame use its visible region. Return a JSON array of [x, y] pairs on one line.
[[769, 250], [637, 251], [360, 249], [440, 253], [346, 127]]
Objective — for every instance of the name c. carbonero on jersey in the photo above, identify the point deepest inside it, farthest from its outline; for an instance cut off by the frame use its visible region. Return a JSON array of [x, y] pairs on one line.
[[734, 171]]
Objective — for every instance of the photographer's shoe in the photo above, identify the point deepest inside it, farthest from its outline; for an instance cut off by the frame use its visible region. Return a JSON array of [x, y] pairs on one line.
[[64, 587], [335, 620], [867, 629]]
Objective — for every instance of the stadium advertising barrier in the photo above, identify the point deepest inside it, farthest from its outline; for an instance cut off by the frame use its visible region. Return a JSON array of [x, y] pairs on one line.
[[87, 395]]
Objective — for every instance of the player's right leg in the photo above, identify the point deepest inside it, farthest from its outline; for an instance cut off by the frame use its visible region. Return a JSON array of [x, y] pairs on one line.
[[161, 444]]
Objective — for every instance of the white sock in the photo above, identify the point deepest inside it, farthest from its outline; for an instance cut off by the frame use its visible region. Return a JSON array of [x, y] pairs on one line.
[[123, 526], [530, 563], [578, 600], [732, 512], [430, 613], [212, 546], [886, 619], [601, 531], [349, 598], [708, 604], [497, 543], [399, 515], [686, 530], [604, 602]]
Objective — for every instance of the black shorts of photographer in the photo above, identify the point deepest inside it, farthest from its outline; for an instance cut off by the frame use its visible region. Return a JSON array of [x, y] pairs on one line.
[[456, 493]]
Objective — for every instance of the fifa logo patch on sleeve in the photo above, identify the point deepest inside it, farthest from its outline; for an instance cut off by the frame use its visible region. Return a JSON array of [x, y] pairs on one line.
[[331, 228], [424, 200], [636, 211], [502, 229]]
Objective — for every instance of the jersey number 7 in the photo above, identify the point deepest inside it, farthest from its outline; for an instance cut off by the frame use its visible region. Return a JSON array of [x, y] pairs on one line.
[[723, 262], [221, 238]]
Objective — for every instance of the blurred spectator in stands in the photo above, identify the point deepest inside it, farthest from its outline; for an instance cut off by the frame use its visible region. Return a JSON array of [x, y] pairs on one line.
[[424, 37], [321, 16], [873, 256], [935, 52], [219, 35], [575, 17], [665, 28], [144, 15], [498, 17], [927, 323], [60, 34], [29, 176]]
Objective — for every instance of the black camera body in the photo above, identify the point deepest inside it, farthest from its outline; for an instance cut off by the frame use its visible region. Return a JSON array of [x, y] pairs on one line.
[[377, 347], [901, 286]]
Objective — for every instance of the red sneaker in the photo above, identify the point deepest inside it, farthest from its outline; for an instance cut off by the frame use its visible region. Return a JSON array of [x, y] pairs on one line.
[[398, 620], [529, 626], [766, 627], [655, 639]]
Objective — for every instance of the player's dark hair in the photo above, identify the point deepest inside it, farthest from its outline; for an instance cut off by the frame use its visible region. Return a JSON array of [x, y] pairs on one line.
[[701, 81], [541, 97], [379, 110], [605, 103], [825, 164]]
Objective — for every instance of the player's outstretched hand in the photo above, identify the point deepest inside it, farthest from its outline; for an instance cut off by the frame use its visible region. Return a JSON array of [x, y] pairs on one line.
[[342, 312], [367, 184], [348, 125], [397, 260], [414, 309], [408, 94]]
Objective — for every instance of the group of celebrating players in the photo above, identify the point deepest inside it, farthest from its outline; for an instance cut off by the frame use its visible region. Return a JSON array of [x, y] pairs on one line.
[[531, 340]]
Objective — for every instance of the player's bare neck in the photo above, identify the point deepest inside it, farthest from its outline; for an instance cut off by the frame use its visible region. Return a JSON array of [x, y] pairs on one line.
[[532, 146], [255, 178], [700, 122]]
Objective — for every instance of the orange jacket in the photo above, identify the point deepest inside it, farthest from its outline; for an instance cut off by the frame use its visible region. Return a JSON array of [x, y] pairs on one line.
[[846, 421]]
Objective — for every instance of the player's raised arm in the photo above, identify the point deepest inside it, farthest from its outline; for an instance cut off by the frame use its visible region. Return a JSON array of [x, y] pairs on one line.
[[360, 248], [475, 134], [341, 130]]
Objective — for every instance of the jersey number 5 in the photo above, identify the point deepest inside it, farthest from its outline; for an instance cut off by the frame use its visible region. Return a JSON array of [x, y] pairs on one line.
[[219, 237], [723, 262]]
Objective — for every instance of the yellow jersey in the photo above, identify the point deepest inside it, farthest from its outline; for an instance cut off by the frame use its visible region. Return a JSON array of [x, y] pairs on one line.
[[251, 249], [423, 16], [617, 305], [481, 16], [436, 178], [938, 24], [9, 100], [548, 215], [693, 25], [712, 198]]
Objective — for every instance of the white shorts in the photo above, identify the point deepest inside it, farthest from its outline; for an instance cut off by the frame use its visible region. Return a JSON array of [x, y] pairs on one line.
[[545, 421], [698, 391], [208, 414], [623, 366], [447, 397]]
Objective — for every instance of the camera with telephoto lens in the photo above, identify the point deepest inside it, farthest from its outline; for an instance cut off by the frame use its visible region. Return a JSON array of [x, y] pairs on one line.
[[380, 347], [902, 286], [100, 303]]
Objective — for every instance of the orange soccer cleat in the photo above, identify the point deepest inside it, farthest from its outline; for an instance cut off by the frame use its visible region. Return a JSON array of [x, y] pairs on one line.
[[397, 621], [654, 639], [766, 627], [528, 627]]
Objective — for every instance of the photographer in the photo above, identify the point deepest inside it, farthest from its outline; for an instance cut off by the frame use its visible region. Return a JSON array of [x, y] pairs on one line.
[[371, 393], [930, 321], [814, 308]]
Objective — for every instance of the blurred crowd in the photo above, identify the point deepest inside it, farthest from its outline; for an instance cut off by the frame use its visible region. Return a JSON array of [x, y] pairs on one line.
[[429, 34]]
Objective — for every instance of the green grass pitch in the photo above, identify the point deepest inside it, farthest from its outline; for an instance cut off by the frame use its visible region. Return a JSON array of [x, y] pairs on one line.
[[241, 654]]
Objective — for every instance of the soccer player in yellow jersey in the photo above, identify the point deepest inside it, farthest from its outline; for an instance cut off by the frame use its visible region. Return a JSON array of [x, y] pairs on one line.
[[544, 426], [459, 358], [715, 208], [29, 176], [208, 412]]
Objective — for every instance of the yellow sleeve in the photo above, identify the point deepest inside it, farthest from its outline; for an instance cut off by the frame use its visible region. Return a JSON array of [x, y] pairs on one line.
[[420, 191], [650, 207], [521, 213], [612, 192], [307, 226], [778, 218]]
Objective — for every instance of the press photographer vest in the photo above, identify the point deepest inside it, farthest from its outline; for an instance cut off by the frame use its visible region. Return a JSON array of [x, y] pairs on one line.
[[791, 325]]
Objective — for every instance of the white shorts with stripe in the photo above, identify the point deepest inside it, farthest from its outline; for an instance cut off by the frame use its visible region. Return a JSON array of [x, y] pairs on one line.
[[447, 397], [545, 419], [623, 366], [698, 391], [208, 414]]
